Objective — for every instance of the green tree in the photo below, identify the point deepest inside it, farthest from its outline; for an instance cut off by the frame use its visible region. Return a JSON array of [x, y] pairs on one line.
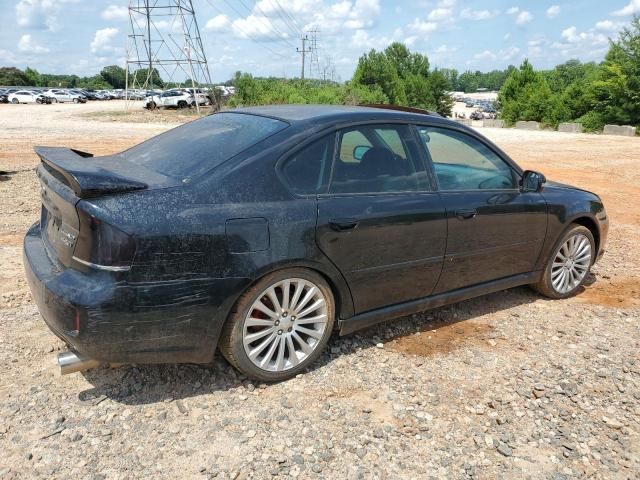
[[616, 91], [439, 98], [33, 77], [114, 76], [140, 76], [11, 76], [374, 68], [526, 95], [405, 62]]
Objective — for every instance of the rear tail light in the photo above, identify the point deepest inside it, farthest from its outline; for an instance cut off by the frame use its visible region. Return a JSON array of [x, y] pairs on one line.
[[103, 246]]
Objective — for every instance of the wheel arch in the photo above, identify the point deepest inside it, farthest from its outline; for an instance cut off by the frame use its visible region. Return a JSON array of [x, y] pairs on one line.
[[341, 294], [591, 225]]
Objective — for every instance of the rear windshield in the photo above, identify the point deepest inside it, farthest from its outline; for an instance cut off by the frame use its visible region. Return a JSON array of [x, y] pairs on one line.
[[193, 148]]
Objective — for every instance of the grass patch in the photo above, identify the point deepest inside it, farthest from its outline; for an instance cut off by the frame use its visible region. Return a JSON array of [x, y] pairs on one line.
[[141, 115]]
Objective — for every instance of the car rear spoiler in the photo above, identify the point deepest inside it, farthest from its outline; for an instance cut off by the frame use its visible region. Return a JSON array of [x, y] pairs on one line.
[[89, 178]]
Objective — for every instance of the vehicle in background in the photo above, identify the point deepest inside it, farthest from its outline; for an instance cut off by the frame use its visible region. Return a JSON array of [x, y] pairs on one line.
[[25, 96], [4, 96], [170, 99], [61, 96], [200, 94]]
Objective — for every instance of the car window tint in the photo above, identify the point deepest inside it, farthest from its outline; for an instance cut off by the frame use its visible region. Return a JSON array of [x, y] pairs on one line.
[[377, 159], [350, 140], [307, 172], [195, 147], [463, 163]]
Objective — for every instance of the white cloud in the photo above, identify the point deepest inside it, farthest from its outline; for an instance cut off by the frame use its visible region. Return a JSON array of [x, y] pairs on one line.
[[633, 7], [27, 45], [258, 28], [553, 11], [470, 14], [440, 14], [513, 11], [425, 28], [590, 44], [523, 18], [36, 14], [102, 39], [609, 26], [115, 12], [503, 55], [217, 23]]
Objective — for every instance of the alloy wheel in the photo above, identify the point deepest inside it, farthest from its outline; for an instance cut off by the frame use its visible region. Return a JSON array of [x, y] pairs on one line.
[[571, 263], [285, 324]]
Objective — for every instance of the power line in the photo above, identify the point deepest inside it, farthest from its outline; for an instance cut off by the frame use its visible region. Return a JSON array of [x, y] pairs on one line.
[[246, 34], [287, 19], [295, 23], [279, 35]]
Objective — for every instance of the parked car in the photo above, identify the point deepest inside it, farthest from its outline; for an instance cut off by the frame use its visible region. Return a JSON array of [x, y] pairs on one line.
[[60, 96], [259, 230], [200, 94], [170, 98], [4, 96], [25, 96]]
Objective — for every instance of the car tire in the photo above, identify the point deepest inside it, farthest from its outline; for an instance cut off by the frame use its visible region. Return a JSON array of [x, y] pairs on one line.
[[151, 105], [275, 346], [75, 100], [54, 100], [38, 100], [15, 101], [569, 263], [182, 104]]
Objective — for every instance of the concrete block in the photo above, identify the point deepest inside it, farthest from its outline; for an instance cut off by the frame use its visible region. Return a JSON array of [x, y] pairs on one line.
[[528, 125], [626, 130], [464, 121], [493, 123], [570, 127]]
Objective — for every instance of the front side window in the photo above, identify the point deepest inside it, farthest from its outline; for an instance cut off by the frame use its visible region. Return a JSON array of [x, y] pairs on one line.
[[463, 163], [307, 172], [376, 159]]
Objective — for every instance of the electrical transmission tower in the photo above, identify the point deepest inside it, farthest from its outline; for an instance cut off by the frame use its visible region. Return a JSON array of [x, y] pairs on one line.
[[314, 61], [164, 39], [312, 50]]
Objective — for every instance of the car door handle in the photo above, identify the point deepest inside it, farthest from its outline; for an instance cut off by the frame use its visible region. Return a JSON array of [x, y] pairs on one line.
[[343, 224], [466, 214]]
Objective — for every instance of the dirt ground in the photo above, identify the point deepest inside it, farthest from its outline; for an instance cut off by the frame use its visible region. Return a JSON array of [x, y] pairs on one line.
[[505, 386]]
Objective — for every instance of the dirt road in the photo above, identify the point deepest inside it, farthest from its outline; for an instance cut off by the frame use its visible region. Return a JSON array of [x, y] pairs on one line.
[[505, 386]]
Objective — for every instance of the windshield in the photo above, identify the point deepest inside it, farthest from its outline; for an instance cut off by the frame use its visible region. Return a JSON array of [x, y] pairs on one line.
[[193, 148]]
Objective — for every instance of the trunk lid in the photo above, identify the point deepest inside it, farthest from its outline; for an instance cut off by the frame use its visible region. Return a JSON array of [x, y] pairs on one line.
[[68, 176]]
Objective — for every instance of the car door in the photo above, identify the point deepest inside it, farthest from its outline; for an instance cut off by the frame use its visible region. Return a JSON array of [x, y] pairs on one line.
[[381, 222], [494, 229]]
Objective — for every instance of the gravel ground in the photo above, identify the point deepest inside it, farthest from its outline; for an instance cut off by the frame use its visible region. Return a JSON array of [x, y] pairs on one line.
[[509, 385]]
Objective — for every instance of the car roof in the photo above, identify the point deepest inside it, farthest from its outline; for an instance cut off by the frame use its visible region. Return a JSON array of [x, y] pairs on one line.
[[319, 114]]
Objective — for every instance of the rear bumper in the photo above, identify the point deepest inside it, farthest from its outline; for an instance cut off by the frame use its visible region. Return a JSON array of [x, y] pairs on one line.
[[102, 316]]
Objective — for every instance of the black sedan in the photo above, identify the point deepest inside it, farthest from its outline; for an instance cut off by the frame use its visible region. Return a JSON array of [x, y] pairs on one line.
[[259, 231]]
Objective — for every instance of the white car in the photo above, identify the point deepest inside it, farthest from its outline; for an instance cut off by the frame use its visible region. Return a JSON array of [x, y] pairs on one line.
[[25, 96], [170, 98], [200, 94], [64, 96]]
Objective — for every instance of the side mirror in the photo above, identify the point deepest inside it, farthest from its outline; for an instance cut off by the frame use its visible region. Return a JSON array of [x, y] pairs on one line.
[[359, 151], [532, 181]]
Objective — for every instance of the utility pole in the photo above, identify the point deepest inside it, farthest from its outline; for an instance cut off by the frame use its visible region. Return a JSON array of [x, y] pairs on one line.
[[303, 51]]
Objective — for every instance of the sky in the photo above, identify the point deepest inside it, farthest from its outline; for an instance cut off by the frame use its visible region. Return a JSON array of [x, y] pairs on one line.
[[261, 36]]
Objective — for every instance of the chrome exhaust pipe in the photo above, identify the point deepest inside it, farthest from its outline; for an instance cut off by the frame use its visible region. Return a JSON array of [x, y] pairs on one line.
[[71, 362]]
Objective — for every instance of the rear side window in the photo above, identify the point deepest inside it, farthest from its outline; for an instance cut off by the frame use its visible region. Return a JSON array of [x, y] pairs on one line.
[[307, 172], [193, 148]]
